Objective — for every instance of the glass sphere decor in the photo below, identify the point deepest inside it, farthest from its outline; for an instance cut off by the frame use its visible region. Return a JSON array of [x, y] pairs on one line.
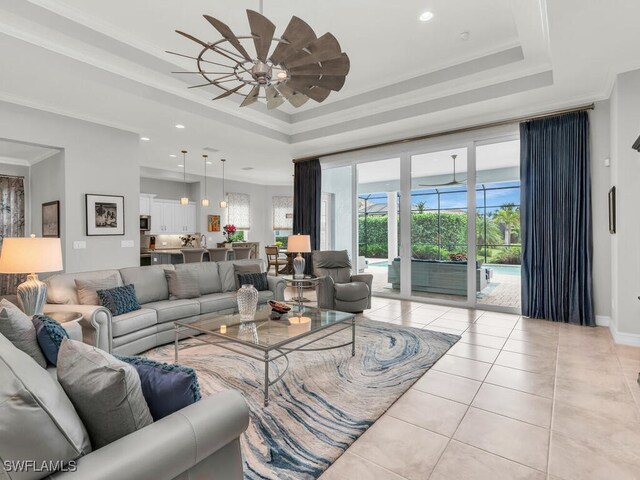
[[247, 302]]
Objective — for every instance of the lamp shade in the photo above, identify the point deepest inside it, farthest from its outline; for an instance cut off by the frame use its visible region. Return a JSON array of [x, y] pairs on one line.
[[30, 255], [299, 243]]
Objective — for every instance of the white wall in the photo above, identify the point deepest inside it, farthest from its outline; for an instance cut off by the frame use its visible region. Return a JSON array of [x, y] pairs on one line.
[[625, 175], [97, 159], [599, 120], [47, 185], [337, 181]]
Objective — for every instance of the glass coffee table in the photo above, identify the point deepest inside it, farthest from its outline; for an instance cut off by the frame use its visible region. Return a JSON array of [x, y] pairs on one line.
[[265, 339]]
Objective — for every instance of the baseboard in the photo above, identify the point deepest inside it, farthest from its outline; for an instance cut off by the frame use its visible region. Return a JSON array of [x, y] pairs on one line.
[[603, 320], [624, 338]]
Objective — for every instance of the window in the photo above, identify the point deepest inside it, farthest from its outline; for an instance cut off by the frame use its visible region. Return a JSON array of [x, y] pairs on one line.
[[239, 211], [282, 213]]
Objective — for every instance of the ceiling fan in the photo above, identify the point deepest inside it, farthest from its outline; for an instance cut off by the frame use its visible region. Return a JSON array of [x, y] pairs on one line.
[[452, 182], [300, 67]]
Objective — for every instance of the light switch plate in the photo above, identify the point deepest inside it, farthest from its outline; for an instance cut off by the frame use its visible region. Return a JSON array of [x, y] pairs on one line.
[[126, 243], [79, 245]]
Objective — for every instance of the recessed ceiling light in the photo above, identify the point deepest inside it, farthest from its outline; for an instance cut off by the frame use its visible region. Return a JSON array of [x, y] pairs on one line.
[[180, 126], [180, 165], [145, 139], [172, 156], [426, 16], [464, 36]]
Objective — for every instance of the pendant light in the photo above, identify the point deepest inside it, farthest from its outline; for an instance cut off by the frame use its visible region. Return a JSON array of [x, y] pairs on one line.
[[223, 202], [184, 200], [205, 201]]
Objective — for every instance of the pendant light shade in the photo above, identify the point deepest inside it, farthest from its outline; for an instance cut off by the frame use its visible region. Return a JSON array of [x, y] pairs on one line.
[[223, 202], [185, 199], [205, 201]]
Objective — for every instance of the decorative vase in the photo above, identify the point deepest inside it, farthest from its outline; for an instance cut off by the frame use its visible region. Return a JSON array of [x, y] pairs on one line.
[[247, 302]]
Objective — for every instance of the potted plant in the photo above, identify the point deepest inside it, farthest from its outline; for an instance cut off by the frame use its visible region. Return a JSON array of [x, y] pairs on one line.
[[229, 231]]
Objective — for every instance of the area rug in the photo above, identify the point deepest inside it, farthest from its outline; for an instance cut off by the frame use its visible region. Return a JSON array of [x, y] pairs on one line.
[[326, 399]]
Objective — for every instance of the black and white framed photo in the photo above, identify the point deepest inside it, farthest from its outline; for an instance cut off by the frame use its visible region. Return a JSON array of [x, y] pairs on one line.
[[51, 219], [105, 214]]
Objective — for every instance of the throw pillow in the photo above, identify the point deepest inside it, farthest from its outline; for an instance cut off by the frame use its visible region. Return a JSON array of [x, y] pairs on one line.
[[119, 300], [182, 284], [258, 280], [87, 289], [167, 388], [50, 335], [240, 269], [37, 420], [105, 391], [19, 330]]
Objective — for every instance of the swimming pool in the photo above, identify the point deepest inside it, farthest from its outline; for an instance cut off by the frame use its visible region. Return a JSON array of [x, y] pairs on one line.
[[504, 269]]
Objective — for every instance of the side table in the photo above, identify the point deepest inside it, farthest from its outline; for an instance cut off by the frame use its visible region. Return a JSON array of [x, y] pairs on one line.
[[300, 284]]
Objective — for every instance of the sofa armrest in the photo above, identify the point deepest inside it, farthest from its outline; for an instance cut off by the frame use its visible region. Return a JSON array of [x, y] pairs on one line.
[[326, 293], [95, 323], [277, 286], [364, 278], [171, 446]]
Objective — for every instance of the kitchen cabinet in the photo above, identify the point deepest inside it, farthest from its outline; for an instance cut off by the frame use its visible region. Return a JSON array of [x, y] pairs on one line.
[[165, 258], [169, 217], [145, 204]]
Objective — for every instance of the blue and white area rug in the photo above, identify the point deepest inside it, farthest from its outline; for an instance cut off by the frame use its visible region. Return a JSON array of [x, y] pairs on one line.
[[326, 399]]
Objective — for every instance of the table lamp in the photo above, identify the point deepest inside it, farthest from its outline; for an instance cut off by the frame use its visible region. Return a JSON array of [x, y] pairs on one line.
[[31, 255], [298, 244]]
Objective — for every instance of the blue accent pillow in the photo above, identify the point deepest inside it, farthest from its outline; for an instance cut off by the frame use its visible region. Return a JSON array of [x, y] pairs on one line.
[[50, 335], [167, 388], [119, 300], [258, 280]]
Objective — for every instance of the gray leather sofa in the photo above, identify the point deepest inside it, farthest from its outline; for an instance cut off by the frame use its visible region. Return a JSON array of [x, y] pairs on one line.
[[337, 288], [152, 325], [201, 441]]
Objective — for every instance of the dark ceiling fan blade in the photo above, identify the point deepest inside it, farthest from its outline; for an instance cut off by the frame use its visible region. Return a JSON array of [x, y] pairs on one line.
[[262, 29], [204, 73], [252, 97], [336, 66], [297, 35], [324, 48], [296, 99], [274, 99], [318, 94], [229, 92], [226, 33], [194, 39], [200, 59]]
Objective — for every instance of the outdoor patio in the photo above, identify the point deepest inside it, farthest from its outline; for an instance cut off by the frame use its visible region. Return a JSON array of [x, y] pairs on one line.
[[503, 289]]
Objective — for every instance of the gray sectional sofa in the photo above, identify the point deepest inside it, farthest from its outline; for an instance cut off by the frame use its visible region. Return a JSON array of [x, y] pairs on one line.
[[152, 325]]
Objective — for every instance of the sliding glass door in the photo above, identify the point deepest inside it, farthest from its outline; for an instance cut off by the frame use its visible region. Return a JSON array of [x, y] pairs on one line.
[[410, 221]]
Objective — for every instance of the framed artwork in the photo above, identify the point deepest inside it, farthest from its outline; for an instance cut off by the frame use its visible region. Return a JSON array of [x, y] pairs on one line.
[[612, 210], [51, 219], [105, 214], [213, 223]]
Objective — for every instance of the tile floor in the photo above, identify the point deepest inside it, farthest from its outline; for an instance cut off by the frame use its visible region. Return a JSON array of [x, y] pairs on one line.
[[515, 399]]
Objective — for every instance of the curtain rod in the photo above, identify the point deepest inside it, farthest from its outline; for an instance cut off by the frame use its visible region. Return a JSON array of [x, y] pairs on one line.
[[471, 128], [11, 176]]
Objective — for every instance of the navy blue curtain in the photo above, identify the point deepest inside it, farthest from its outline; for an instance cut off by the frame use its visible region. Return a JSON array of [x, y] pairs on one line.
[[307, 195], [556, 219]]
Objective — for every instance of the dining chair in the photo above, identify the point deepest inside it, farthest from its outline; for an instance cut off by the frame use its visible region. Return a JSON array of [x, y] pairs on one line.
[[241, 253], [274, 259], [218, 254]]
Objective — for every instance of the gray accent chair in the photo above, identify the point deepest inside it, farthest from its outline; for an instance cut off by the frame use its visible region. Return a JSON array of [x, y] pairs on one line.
[[337, 289], [201, 441]]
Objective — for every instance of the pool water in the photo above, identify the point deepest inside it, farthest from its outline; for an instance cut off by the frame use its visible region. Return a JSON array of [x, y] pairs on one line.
[[504, 269]]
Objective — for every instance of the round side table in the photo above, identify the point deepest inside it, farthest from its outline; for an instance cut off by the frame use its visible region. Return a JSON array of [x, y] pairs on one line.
[[300, 284], [63, 317]]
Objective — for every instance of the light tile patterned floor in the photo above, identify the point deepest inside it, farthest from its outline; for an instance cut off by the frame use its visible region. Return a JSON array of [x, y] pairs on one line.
[[514, 399]]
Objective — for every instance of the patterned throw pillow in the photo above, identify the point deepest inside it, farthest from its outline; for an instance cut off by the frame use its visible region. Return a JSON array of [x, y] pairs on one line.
[[258, 280], [50, 335], [119, 300], [167, 388]]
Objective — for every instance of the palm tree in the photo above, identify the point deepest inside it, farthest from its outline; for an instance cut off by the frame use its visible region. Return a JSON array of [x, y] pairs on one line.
[[509, 217], [420, 206]]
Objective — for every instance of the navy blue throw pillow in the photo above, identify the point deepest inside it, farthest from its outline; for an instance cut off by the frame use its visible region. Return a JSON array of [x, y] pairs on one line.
[[258, 280], [50, 335], [167, 388], [119, 300]]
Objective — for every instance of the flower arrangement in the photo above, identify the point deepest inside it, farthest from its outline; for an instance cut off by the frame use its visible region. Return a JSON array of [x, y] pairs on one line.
[[229, 230]]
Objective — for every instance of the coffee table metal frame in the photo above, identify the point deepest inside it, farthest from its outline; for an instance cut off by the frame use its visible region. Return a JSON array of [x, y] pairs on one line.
[[223, 341]]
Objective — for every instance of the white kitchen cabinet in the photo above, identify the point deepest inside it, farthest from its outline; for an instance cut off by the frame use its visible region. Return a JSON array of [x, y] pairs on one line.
[[145, 204], [169, 217]]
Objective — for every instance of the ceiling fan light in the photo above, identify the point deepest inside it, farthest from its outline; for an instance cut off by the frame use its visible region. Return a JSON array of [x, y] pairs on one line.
[[425, 16]]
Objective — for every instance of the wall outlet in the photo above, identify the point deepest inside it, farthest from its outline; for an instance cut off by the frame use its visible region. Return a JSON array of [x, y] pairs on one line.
[[164, 244], [126, 244], [607, 162], [79, 245]]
